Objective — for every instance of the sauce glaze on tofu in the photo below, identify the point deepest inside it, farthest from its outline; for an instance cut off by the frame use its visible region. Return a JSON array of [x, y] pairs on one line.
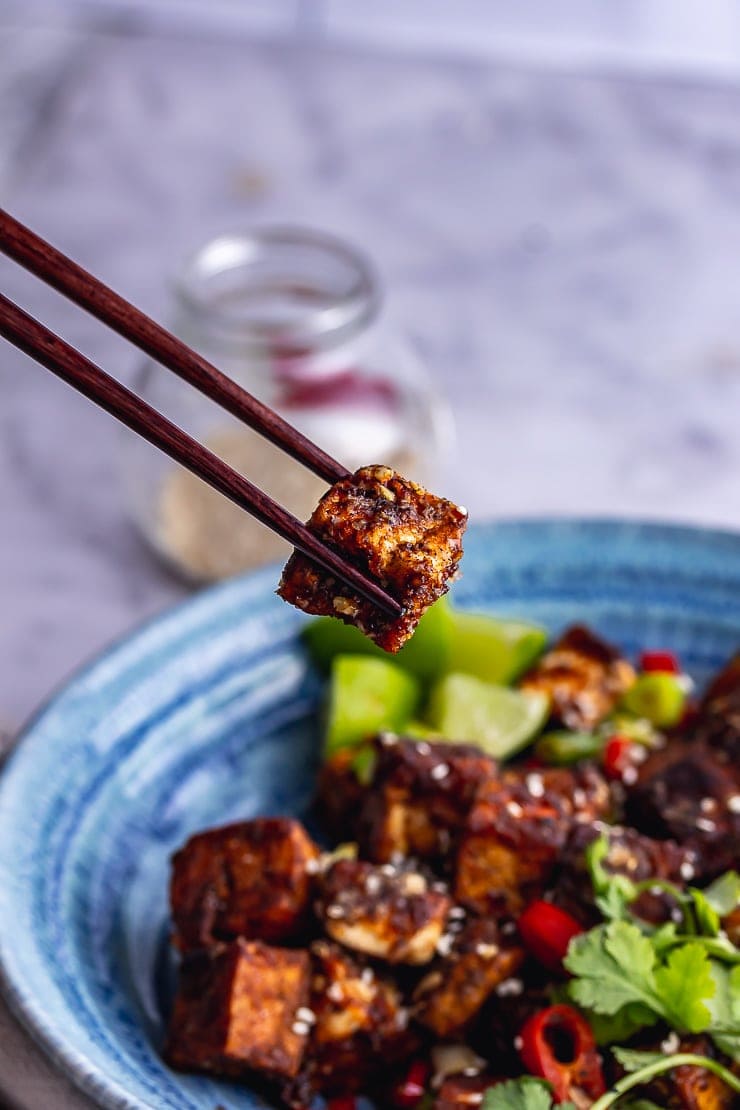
[[403, 537]]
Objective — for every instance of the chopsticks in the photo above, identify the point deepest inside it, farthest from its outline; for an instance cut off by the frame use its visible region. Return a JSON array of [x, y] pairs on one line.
[[32, 337]]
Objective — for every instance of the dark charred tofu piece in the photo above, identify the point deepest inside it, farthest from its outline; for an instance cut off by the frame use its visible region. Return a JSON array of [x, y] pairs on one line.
[[340, 795], [241, 1008], [360, 1018], [691, 1088], [251, 879], [451, 994], [462, 1092], [516, 831], [419, 798], [395, 532], [686, 792], [718, 722], [388, 912], [631, 854], [583, 676]]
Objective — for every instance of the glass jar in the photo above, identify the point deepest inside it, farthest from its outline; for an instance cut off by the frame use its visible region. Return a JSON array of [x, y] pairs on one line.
[[293, 316]]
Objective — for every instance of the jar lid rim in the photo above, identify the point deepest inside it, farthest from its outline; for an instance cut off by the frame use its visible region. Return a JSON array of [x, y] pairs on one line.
[[353, 306]]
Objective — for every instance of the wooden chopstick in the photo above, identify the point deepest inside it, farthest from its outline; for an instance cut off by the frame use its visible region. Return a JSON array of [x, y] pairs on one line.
[[74, 368], [56, 269]]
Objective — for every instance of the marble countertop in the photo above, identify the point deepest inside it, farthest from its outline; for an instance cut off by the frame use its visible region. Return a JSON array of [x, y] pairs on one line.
[[562, 248]]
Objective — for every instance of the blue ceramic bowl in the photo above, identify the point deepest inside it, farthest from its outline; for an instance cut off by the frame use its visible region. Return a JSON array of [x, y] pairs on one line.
[[209, 714]]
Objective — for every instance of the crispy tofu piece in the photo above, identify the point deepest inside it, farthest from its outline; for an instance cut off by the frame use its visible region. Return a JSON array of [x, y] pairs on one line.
[[462, 1092], [688, 792], [516, 831], [241, 1008], [419, 798], [251, 879], [583, 676], [359, 1018], [394, 531], [691, 1088], [632, 854], [391, 913], [451, 994], [718, 722]]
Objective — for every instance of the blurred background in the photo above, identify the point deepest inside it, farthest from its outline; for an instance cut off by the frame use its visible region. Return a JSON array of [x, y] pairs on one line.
[[527, 217]]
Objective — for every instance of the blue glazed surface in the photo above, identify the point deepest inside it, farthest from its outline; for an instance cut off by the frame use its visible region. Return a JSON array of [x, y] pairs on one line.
[[207, 715]]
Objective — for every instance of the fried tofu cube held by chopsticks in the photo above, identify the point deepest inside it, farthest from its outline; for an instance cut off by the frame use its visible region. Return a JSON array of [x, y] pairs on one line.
[[395, 532], [239, 1009]]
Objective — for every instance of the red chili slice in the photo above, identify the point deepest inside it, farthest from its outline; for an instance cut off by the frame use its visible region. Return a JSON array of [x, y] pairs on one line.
[[411, 1090], [558, 1045], [547, 931], [664, 661], [617, 756]]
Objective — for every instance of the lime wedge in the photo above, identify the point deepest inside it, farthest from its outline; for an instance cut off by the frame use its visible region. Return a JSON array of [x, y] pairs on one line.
[[499, 720], [366, 696], [494, 649], [425, 655]]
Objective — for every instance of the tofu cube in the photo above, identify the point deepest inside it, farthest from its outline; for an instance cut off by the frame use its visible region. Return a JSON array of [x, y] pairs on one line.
[[451, 994], [359, 1018], [241, 1008], [583, 676], [516, 831], [401, 536], [419, 798], [252, 879], [388, 912]]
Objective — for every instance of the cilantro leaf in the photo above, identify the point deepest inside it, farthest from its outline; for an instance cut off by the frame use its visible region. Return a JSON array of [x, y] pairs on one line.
[[723, 895], [612, 1028], [612, 893], [683, 984], [521, 1094], [632, 1060], [724, 1007], [614, 966]]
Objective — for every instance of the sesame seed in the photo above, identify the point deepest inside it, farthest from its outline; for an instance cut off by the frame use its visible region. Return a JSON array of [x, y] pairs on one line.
[[514, 809], [441, 771], [670, 1045], [367, 975], [687, 870], [388, 870], [486, 951], [334, 912], [705, 824], [629, 775], [372, 884], [457, 912], [676, 915], [439, 888], [444, 944], [304, 1014], [707, 805], [300, 1028], [510, 988], [518, 1043], [471, 1071], [388, 739], [313, 867], [535, 785], [508, 928], [579, 797], [733, 803], [423, 748], [335, 993]]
